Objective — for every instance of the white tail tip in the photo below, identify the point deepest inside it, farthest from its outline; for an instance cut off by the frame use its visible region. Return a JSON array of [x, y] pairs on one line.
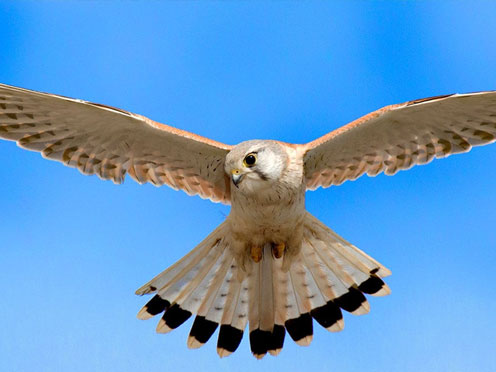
[[305, 341], [162, 327]]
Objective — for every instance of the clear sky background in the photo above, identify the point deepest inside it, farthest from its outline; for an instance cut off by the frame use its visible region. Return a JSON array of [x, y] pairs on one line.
[[74, 248]]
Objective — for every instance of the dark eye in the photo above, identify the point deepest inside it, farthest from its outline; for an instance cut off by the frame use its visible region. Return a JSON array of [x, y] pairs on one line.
[[250, 160]]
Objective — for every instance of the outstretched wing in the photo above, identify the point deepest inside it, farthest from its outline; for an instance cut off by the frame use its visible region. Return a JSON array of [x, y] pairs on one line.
[[110, 142], [400, 136]]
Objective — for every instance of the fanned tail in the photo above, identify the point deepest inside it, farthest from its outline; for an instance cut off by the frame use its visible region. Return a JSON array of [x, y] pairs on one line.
[[205, 283], [327, 276]]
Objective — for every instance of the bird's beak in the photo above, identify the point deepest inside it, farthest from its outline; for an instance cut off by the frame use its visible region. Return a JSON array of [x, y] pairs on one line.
[[236, 176]]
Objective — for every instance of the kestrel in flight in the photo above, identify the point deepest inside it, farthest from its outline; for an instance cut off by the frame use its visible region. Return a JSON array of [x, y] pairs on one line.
[[270, 263]]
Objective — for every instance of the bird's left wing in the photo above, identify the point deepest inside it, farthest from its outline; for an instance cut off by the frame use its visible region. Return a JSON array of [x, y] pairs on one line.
[[109, 142], [400, 136]]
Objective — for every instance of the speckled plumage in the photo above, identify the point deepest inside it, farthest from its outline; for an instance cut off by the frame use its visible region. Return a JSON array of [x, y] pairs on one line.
[[236, 276]]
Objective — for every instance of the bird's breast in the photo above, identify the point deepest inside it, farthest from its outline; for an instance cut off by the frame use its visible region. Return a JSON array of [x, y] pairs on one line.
[[267, 217]]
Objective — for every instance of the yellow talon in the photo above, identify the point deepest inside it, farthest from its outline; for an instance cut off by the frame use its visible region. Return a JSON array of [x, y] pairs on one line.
[[278, 249], [256, 253]]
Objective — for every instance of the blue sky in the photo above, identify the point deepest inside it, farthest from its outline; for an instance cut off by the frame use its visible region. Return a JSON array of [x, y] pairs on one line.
[[74, 248]]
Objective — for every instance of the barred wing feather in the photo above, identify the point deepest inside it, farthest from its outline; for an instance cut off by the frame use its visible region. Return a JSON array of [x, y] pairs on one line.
[[400, 136], [110, 142]]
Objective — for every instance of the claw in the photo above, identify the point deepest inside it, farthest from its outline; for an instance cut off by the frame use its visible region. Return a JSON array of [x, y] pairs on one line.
[[278, 249], [256, 253]]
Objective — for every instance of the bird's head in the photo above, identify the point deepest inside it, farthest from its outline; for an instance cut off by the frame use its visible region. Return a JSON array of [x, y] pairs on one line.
[[256, 165]]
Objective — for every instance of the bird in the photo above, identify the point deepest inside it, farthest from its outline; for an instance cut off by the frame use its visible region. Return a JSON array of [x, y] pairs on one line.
[[271, 265]]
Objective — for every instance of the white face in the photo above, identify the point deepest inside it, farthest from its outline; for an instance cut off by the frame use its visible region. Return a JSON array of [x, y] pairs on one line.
[[255, 166]]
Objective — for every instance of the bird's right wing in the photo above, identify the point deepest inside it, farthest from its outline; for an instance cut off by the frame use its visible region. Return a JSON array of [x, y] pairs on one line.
[[400, 136], [110, 142]]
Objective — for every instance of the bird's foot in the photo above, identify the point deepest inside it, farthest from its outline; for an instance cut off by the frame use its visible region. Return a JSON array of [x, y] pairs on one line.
[[256, 253], [278, 250]]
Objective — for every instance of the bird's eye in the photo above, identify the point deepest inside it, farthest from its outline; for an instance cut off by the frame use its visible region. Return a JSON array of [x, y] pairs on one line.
[[250, 160]]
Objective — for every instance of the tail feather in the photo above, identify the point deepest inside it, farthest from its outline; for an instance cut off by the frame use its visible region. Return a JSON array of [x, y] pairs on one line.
[[258, 336], [349, 269], [307, 296], [185, 264], [266, 291], [188, 294], [333, 284], [201, 331], [286, 305], [232, 298], [362, 260], [344, 281], [329, 315], [305, 286], [327, 276], [203, 293], [234, 320], [211, 309], [261, 309], [182, 284]]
